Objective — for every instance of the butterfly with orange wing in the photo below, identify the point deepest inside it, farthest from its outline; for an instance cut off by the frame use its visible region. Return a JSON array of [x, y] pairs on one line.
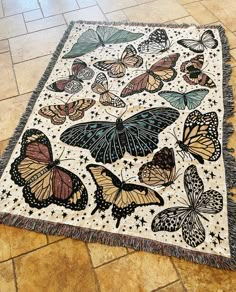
[[73, 83], [152, 80], [107, 98], [194, 74], [117, 68], [74, 110], [200, 137], [161, 171], [44, 182]]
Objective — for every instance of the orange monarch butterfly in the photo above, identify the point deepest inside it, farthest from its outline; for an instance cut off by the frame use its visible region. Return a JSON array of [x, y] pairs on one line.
[[161, 171], [123, 197], [200, 137], [117, 68], [152, 80], [43, 180]]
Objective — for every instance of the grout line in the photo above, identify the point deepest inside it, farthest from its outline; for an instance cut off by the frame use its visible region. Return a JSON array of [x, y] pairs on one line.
[[3, 12], [4, 140], [40, 7], [26, 28], [14, 96], [43, 18], [14, 72], [46, 27], [32, 58], [14, 273], [178, 274], [103, 13], [94, 271], [77, 3], [19, 13], [65, 19], [165, 286]]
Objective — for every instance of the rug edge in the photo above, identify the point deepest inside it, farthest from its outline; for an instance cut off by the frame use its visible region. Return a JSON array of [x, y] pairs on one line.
[[130, 241]]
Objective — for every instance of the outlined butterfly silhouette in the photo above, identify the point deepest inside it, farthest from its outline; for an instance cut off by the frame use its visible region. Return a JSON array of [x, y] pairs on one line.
[[117, 68], [92, 39], [73, 110], [109, 141], [152, 80], [206, 41], [200, 137], [161, 171], [188, 217], [191, 99], [73, 83], [44, 182], [157, 42], [194, 74], [123, 197], [107, 98]]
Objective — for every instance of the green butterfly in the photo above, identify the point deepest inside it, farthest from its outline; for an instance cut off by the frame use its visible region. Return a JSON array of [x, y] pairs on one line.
[[91, 40], [191, 99]]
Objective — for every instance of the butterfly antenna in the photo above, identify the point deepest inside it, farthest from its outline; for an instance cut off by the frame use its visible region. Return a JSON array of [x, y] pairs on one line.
[[67, 159], [126, 108], [111, 114], [62, 153], [70, 97], [146, 66], [130, 178], [61, 100], [68, 71], [121, 174]]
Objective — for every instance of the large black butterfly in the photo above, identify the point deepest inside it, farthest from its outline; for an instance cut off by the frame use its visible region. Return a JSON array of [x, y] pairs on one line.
[[43, 180], [108, 141], [123, 197], [188, 217]]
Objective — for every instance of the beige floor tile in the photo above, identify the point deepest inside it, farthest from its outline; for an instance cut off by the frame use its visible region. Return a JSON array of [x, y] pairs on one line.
[[35, 44], [158, 11], [29, 73], [10, 113], [233, 62], [233, 53], [52, 238], [186, 1], [15, 7], [4, 46], [15, 241], [8, 87], [62, 266], [175, 287], [138, 271], [187, 20], [108, 5], [204, 278], [86, 3], [1, 10], [3, 144], [7, 282], [90, 13], [224, 10], [33, 15], [12, 26], [116, 16], [45, 23], [52, 7], [101, 254], [231, 36], [200, 13]]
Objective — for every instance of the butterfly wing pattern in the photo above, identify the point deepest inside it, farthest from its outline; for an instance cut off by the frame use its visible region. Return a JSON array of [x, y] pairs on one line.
[[90, 40], [123, 197], [188, 218], [152, 80], [108, 141], [43, 180]]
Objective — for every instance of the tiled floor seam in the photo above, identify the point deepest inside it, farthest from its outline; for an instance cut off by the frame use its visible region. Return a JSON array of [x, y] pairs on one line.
[[103, 13], [94, 270], [3, 12], [14, 274], [5, 16], [165, 286], [40, 7], [13, 70], [178, 274]]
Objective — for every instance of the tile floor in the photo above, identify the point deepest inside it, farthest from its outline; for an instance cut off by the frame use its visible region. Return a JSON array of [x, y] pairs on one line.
[[31, 262]]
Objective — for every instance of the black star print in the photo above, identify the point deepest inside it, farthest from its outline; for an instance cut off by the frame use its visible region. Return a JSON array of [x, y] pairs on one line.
[[136, 217], [169, 197], [64, 215], [83, 175], [15, 200], [166, 139], [219, 238], [39, 121], [103, 216], [212, 175], [215, 243], [131, 164], [4, 191], [31, 212], [86, 159], [143, 221], [152, 211], [8, 194], [137, 225], [52, 212], [212, 234], [205, 171]]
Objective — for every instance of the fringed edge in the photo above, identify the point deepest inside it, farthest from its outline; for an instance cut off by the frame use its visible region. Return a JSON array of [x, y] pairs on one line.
[[91, 235]]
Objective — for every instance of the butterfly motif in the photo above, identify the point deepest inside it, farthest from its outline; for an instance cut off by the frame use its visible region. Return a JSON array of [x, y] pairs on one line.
[[117, 68], [108, 141], [74, 110], [123, 197], [161, 171], [194, 74], [73, 83], [92, 39], [200, 137], [158, 42], [191, 99], [188, 218], [107, 98], [43, 180], [152, 80], [207, 40]]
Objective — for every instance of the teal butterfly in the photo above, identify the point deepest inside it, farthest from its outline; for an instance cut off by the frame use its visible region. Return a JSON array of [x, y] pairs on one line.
[[104, 35], [191, 99]]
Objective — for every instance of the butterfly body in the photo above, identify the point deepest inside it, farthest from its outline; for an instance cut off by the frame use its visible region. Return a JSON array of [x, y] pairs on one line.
[[108, 141], [43, 180], [123, 197]]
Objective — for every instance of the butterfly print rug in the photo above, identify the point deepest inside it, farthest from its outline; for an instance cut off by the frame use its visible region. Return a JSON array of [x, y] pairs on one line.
[[124, 142]]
